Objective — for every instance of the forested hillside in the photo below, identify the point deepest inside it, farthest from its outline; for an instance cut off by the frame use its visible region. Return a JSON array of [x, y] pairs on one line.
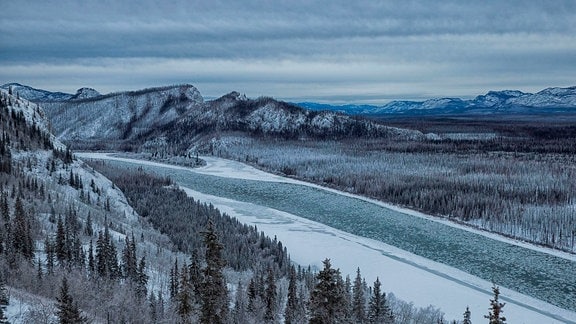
[[63, 226], [89, 119], [72, 249]]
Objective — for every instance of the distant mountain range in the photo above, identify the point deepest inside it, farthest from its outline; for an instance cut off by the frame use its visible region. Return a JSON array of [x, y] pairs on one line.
[[177, 118], [505, 102], [547, 101]]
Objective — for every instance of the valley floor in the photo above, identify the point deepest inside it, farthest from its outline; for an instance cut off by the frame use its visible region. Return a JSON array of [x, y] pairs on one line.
[[407, 275]]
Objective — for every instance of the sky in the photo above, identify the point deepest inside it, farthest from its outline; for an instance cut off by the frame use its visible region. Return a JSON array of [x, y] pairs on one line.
[[301, 50]]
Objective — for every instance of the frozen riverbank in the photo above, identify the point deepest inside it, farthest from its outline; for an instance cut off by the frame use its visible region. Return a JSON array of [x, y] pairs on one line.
[[409, 276]]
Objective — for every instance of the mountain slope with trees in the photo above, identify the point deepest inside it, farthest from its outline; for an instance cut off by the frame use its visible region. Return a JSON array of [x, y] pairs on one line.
[[92, 118], [175, 116], [72, 249]]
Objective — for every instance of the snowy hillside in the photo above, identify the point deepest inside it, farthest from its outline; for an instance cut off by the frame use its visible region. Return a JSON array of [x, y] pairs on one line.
[[269, 117], [120, 116], [34, 116], [33, 94], [53, 186], [178, 115]]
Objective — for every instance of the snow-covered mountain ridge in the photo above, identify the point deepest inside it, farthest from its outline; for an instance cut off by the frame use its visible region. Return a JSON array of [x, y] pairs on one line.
[[179, 114], [267, 117], [120, 116], [85, 93], [35, 95], [494, 102]]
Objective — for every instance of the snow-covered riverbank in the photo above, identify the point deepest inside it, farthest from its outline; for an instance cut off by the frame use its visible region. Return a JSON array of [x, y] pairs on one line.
[[409, 276]]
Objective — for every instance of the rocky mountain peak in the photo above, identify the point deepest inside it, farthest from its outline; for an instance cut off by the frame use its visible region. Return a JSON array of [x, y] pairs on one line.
[[85, 93]]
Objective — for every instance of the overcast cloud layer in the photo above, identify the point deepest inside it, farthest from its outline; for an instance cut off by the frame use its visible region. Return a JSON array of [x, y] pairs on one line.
[[340, 51]]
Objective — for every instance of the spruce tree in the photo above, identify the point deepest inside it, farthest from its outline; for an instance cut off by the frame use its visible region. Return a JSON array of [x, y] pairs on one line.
[[255, 303], [91, 262], [184, 297], [270, 297], [348, 298], [4, 209], [88, 230], [68, 312], [358, 299], [21, 237], [494, 315], [141, 279], [293, 303], [195, 272], [106, 256], [129, 267], [4, 302], [101, 267], [174, 278], [467, 316], [327, 298], [214, 294], [378, 310]]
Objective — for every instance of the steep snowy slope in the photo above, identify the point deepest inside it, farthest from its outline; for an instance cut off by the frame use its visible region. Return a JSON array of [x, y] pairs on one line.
[[33, 115], [33, 94], [269, 117], [120, 116], [52, 184]]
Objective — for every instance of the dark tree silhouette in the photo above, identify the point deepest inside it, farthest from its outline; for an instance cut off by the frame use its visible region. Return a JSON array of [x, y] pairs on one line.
[[327, 302], [214, 297], [494, 315], [68, 312]]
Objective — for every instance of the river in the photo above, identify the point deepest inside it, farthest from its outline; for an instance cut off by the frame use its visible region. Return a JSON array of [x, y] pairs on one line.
[[530, 272]]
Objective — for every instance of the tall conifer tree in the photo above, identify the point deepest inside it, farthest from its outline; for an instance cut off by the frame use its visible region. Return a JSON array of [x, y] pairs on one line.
[[68, 312], [495, 314], [327, 299], [214, 297], [4, 302], [467, 316], [358, 299]]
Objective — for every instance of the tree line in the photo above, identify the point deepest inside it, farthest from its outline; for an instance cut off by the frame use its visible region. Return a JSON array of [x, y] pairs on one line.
[[524, 196]]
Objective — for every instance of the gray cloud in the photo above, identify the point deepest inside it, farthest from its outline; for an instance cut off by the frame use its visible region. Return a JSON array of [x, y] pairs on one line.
[[369, 49]]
